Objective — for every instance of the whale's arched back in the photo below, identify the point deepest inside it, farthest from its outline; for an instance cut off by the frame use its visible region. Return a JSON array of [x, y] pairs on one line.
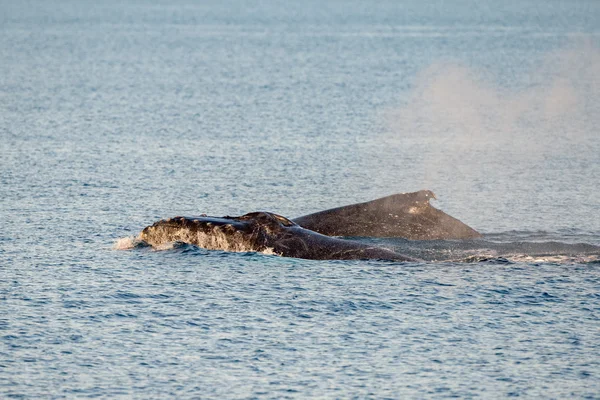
[[405, 215]]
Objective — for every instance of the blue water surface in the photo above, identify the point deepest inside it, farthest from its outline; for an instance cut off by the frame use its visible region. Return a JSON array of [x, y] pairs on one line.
[[116, 114]]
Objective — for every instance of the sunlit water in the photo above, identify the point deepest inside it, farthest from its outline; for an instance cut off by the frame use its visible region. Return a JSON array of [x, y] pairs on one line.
[[115, 115]]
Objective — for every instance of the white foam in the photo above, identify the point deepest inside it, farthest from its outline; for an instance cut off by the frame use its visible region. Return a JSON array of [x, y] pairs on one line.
[[127, 243], [165, 246], [270, 252], [556, 259]]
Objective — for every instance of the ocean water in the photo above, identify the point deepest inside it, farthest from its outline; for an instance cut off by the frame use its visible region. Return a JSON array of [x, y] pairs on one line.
[[116, 114]]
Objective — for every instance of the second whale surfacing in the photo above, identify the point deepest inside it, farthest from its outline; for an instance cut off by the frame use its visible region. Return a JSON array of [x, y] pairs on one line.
[[261, 232]]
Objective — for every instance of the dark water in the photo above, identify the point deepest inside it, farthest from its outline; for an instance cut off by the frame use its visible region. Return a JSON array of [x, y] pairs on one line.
[[114, 115]]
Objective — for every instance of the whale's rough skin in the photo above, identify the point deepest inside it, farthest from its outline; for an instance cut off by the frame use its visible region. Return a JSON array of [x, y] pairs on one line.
[[261, 232], [405, 215]]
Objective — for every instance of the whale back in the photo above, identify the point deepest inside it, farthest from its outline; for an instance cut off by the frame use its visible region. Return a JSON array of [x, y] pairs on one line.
[[212, 233], [260, 232], [405, 215]]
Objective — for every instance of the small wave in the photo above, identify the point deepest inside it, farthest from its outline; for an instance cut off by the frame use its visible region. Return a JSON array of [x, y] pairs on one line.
[[555, 259], [565, 236], [528, 259], [177, 245], [515, 247]]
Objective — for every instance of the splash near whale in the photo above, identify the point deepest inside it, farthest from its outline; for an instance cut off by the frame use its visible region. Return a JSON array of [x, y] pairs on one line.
[[261, 232]]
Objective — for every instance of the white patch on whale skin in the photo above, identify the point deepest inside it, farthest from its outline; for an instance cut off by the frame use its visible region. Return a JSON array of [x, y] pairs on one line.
[[159, 236], [165, 239]]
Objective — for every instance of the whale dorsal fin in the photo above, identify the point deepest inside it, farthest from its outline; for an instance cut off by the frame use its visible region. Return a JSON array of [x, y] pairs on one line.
[[406, 215]]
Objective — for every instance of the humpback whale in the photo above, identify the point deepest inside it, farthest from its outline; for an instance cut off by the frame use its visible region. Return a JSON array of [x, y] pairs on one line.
[[261, 232], [405, 215]]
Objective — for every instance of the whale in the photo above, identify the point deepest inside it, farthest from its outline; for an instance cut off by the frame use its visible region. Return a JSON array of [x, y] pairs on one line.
[[321, 235], [261, 232], [403, 215]]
